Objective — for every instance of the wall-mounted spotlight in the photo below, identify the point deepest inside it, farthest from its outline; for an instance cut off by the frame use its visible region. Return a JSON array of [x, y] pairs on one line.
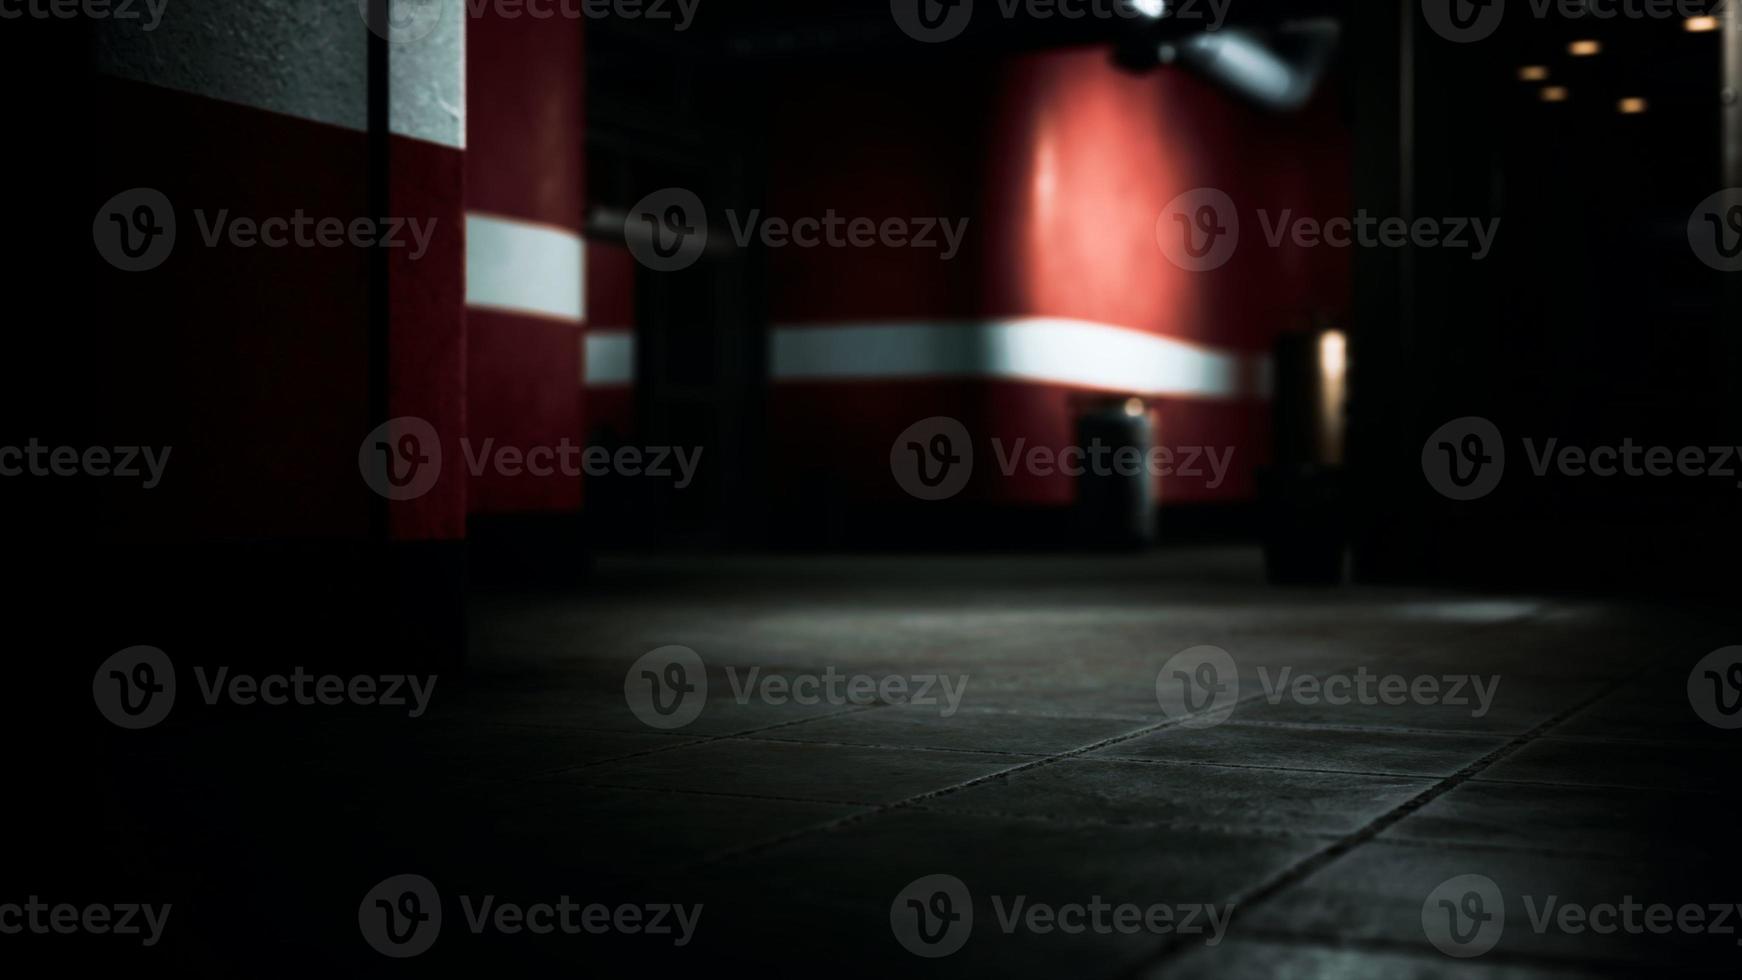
[[1279, 67], [1554, 93], [1585, 49], [1533, 73], [1701, 25], [1633, 106]]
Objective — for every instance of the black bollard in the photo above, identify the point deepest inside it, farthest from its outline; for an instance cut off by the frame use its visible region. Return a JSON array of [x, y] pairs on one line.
[[1301, 494]]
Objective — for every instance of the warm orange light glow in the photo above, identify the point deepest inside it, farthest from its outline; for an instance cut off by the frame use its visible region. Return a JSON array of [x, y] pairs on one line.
[[1334, 354], [1633, 107], [1700, 25], [1533, 73], [1554, 93], [1333, 393], [1585, 49]]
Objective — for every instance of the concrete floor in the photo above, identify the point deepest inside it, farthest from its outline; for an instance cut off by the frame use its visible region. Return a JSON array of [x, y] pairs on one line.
[[1060, 778]]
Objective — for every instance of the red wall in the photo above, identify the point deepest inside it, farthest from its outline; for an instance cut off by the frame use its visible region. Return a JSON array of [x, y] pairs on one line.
[[258, 379], [258, 358], [1063, 163], [525, 163], [428, 328]]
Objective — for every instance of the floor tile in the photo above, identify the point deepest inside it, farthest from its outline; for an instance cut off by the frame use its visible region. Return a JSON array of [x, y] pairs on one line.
[[966, 730], [1574, 820], [842, 885], [1260, 800], [1259, 958], [1519, 703], [1315, 748], [790, 770], [1380, 893], [1687, 766]]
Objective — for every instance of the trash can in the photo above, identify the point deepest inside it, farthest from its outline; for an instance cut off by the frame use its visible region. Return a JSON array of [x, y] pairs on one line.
[[1115, 488]]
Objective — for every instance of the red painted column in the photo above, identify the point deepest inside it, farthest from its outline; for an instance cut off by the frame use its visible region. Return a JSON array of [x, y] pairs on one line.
[[260, 345], [1061, 294], [258, 357], [426, 343], [526, 263]]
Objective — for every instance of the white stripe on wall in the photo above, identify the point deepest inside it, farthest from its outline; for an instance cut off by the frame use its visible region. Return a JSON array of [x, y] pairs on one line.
[[523, 267], [610, 359], [1043, 349]]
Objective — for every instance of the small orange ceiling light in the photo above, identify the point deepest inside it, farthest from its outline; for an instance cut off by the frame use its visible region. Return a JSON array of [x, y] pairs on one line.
[[1533, 73], [1585, 48], [1701, 25], [1554, 93], [1633, 107]]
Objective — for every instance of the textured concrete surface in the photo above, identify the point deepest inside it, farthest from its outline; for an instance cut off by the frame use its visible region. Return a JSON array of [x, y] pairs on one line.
[[1060, 780]]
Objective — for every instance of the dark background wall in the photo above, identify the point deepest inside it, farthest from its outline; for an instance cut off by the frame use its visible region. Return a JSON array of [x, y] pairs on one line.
[[1593, 322]]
